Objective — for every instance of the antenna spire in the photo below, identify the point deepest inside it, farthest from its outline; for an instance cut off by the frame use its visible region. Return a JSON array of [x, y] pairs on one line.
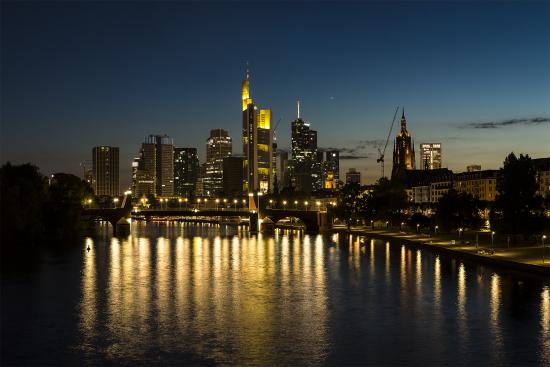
[[247, 70], [298, 106]]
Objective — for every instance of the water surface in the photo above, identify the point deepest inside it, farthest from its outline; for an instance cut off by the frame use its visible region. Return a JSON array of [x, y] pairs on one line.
[[173, 293]]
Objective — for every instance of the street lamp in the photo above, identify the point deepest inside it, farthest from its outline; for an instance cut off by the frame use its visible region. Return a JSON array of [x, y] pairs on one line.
[[296, 204], [460, 233], [179, 201], [205, 201], [270, 202], [186, 200], [217, 202], [543, 237], [306, 204], [244, 202], [89, 203], [387, 224], [436, 227], [372, 224], [318, 203], [284, 204], [401, 227], [417, 227], [115, 200], [492, 243], [235, 204]]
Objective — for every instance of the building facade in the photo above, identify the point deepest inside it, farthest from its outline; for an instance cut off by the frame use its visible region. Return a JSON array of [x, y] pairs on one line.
[[257, 139], [430, 155], [218, 146], [304, 155], [480, 184], [105, 171], [233, 176], [353, 176], [403, 150], [153, 171], [186, 171], [542, 167]]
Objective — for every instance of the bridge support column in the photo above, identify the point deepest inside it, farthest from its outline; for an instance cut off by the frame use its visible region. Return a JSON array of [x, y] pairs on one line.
[[253, 226]]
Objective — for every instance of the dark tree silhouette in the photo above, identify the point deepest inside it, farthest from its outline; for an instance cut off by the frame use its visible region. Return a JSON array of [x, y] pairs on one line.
[[350, 203], [517, 208], [387, 201], [458, 210]]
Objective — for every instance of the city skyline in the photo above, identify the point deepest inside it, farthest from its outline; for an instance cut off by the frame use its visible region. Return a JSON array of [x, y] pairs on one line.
[[480, 94]]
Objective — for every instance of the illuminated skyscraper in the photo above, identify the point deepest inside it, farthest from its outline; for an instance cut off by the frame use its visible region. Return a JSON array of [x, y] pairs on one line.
[[105, 171], [430, 155], [353, 176], [218, 146], [403, 150], [304, 154], [154, 171], [257, 138], [186, 171]]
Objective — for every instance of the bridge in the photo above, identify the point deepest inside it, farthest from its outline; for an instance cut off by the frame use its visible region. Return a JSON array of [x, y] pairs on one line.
[[111, 215], [313, 220]]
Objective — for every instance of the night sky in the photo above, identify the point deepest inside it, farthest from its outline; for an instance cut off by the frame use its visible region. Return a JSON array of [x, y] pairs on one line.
[[474, 76]]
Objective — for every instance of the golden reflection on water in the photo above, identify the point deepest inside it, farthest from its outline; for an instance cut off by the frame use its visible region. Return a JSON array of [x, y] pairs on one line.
[[218, 293], [462, 317], [494, 320], [545, 324]]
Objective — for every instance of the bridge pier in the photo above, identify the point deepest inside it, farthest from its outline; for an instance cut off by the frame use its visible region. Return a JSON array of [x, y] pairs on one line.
[[253, 224]]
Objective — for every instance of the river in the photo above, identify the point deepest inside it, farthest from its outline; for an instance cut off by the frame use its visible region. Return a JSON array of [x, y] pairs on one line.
[[176, 293]]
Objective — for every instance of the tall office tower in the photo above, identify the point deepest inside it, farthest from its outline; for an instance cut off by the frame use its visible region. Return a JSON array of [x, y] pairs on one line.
[[105, 171], [473, 168], [317, 170], [156, 166], [186, 171], [257, 137], [430, 155], [304, 148], [403, 150], [233, 176], [331, 169], [218, 147], [281, 169], [353, 176]]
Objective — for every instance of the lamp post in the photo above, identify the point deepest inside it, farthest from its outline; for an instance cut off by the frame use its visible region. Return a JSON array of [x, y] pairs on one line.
[[284, 204], [244, 202], [205, 201], [270, 202], [306, 204], [179, 202], [387, 224], [235, 204], [186, 204], [318, 203], [295, 204], [401, 226], [460, 233], [436, 227], [217, 202], [115, 200], [89, 203], [372, 225], [417, 228], [542, 238], [492, 243]]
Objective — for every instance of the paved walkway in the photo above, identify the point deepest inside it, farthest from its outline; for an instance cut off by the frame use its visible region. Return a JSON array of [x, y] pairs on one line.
[[521, 258]]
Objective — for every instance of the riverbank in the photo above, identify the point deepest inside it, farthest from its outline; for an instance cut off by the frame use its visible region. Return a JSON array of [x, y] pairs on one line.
[[526, 259]]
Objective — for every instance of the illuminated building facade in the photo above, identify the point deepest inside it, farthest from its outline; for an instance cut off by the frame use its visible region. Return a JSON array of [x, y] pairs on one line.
[[331, 169], [105, 179], [154, 171], [257, 138], [304, 154], [430, 155], [218, 146], [186, 171], [480, 184], [403, 150], [542, 167]]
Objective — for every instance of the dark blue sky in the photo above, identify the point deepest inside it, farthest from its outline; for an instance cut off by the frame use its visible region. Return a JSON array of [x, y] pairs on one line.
[[78, 75]]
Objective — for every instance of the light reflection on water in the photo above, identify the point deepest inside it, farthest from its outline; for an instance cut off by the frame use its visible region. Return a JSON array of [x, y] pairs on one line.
[[185, 294]]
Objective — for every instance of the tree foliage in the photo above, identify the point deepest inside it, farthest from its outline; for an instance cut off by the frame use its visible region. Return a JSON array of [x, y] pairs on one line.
[[458, 210], [387, 201], [350, 203], [517, 208]]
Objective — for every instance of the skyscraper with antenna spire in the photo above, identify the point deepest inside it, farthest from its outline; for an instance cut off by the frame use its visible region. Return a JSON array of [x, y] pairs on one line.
[[304, 149], [257, 137]]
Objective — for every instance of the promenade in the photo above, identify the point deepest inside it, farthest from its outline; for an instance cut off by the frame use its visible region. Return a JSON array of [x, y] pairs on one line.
[[528, 258]]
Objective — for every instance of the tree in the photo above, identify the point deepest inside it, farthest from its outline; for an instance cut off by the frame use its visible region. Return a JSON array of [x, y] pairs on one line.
[[517, 208], [387, 201], [23, 191], [458, 210], [350, 203]]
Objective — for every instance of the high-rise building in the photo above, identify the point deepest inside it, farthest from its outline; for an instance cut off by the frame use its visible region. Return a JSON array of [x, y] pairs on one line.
[[154, 170], [430, 155], [281, 169], [105, 171], [304, 154], [186, 171], [233, 175], [403, 150], [331, 169], [218, 146], [257, 137], [480, 184], [353, 176]]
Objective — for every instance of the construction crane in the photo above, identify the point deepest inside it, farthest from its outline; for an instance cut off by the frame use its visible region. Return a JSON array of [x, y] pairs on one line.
[[381, 153]]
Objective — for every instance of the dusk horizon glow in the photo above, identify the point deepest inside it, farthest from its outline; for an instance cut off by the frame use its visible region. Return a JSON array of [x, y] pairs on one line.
[[473, 76]]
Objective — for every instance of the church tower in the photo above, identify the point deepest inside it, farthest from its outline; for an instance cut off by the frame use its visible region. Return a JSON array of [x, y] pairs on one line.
[[403, 150]]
